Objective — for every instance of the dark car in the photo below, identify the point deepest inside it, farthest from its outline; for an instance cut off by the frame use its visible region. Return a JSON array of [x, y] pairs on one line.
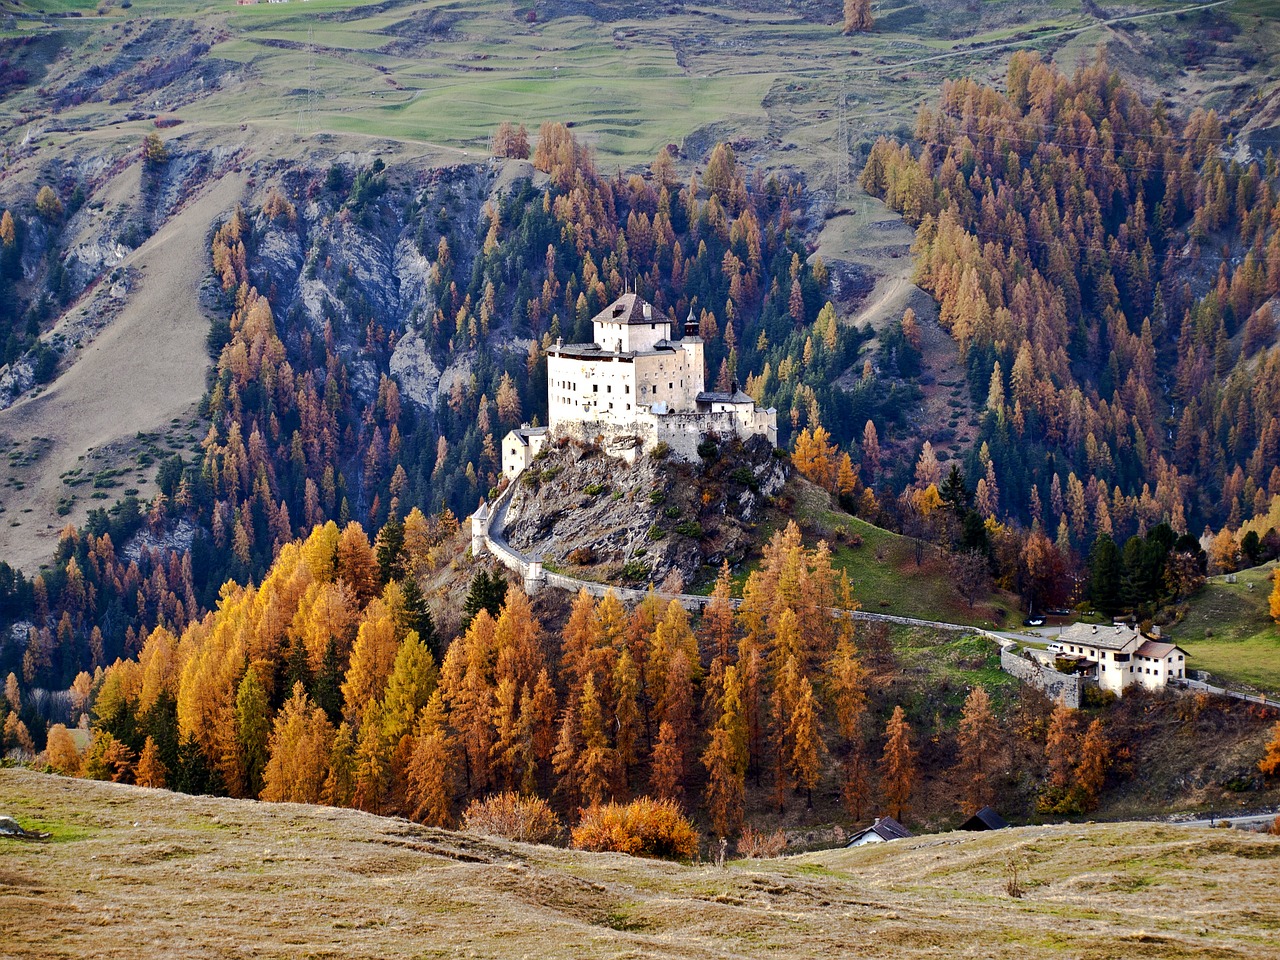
[[1033, 622]]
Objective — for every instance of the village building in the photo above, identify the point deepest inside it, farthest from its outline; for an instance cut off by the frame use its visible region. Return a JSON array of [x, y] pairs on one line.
[[634, 388], [1119, 656], [985, 819], [882, 831]]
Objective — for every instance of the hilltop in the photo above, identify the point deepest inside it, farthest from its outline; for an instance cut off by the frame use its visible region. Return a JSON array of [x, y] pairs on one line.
[[287, 881]]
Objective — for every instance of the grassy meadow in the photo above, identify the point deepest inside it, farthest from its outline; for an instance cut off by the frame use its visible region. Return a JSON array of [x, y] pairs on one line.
[[132, 871], [1228, 631]]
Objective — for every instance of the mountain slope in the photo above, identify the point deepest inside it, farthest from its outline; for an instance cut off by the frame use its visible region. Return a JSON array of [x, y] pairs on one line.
[[132, 870]]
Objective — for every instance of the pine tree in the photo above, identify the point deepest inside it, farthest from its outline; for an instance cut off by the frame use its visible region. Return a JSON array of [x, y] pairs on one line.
[[976, 740], [897, 766]]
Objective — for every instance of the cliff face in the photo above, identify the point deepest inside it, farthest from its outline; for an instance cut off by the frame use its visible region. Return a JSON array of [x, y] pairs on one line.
[[594, 516]]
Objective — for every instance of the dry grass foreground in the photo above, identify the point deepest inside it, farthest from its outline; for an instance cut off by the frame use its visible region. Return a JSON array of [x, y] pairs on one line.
[[132, 872]]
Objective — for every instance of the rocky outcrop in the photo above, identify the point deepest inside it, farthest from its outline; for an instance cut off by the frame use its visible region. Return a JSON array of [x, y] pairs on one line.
[[596, 517]]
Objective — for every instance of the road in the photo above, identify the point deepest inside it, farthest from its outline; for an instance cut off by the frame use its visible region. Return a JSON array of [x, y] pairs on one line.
[[1248, 821]]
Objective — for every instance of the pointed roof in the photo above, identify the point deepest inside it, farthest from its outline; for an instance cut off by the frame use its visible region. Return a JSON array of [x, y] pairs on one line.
[[629, 308], [985, 819], [886, 828]]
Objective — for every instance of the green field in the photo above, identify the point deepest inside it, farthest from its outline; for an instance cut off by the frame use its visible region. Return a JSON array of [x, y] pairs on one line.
[[446, 72], [1228, 631]]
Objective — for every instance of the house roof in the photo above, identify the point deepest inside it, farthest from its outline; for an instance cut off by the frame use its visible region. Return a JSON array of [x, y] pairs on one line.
[[719, 396], [985, 819], [1157, 650], [629, 308], [1115, 637], [524, 433], [886, 828]]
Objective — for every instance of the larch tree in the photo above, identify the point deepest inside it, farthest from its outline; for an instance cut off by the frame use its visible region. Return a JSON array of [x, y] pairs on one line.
[[61, 752], [340, 784], [431, 770], [412, 681], [13, 692], [300, 742], [857, 16], [151, 771], [596, 761], [373, 659], [666, 778], [1091, 768], [806, 741], [1269, 765], [1275, 599], [897, 766], [726, 759], [253, 729], [977, 739], [1060, 746]]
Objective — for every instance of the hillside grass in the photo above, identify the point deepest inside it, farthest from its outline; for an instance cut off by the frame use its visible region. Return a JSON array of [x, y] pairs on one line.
[[146, 872], [1228, 631], [883, 569]]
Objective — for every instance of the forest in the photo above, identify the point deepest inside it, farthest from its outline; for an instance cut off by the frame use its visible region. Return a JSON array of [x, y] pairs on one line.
[[1106, 270]]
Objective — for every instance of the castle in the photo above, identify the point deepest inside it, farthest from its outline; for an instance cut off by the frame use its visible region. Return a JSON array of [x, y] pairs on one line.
[[634, 388]]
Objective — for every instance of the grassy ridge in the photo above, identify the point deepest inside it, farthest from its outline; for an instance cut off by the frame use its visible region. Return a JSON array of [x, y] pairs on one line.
[[205, 877]]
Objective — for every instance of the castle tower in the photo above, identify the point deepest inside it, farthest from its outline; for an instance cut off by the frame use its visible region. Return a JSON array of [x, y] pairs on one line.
[[480, 529]]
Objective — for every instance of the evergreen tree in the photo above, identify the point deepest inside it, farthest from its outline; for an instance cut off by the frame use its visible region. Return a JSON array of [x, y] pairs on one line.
[[1106, 577], [252, 732]]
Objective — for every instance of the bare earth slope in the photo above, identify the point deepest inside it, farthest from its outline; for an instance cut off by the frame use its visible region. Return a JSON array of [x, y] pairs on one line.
[[145, 368], [134, 872]]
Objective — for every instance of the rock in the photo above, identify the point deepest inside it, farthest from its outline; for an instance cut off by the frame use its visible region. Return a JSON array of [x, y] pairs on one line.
[[413, 367], [10, 827]]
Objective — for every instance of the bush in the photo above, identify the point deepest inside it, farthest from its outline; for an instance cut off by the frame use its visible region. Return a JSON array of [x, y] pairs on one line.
[[595, 489], [635, 570], [756, 845], [661, 450], [656, 532], [708, 449], [691, 529], [657, 496], [515, 817], [642, 828]]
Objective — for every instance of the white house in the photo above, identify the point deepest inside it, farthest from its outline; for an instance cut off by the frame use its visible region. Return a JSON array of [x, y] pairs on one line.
[[1118, 656], [634, 387], [882, 831]]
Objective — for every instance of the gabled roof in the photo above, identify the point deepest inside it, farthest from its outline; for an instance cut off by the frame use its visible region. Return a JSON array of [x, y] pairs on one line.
[[524, 433], [629, 308], [1157, 650], [886, 828], [1115, 637], [717, 396], [985, 819]]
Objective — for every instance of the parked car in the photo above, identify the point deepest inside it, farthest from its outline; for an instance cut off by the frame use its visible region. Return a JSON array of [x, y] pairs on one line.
[[1033, 622]]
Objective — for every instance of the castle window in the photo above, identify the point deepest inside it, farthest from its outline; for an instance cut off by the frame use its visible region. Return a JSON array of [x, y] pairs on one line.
[[595, 388]]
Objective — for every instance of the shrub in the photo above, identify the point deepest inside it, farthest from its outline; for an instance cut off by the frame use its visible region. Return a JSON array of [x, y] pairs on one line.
[[657, 496], [661, 450], [582, 556], [656, 532], [757, 845], [691, 529], [642, 828], [744, 476], [672, 512], [515, 817], [708, 449], [635, 570], [595, 489]]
